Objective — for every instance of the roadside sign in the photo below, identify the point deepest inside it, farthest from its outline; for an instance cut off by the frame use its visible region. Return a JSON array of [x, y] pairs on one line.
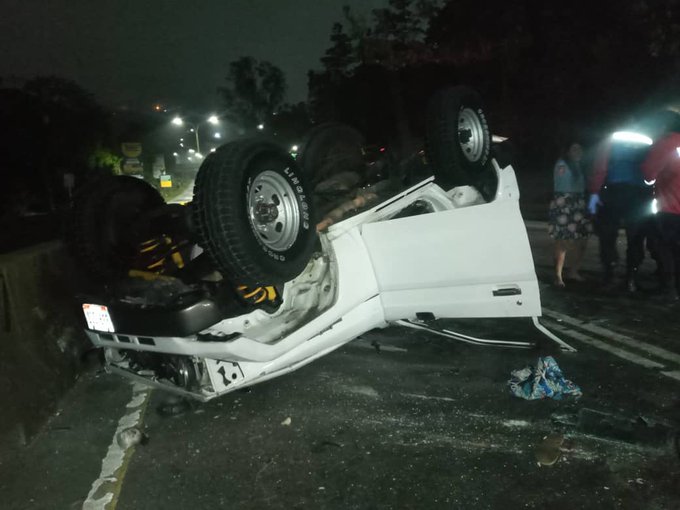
[[166, 181], [132, 166], [158, 166], [131, 149]]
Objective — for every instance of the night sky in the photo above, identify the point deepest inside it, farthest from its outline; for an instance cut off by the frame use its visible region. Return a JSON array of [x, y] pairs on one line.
[[136, 52]]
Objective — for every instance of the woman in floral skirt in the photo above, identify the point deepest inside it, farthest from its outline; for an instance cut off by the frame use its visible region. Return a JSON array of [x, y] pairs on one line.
[[569, 224]]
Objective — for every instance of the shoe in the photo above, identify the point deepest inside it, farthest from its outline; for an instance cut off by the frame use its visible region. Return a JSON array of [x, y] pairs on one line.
[[611, 285], [558, 283], [667, 297], [631, 281], [575, 276]]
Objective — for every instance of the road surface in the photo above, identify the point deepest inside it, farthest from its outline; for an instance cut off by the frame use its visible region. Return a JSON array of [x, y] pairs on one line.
[[396, 419]]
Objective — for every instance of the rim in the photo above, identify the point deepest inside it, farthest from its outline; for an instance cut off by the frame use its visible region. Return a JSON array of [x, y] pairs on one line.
[[470, 134], [274, 211]]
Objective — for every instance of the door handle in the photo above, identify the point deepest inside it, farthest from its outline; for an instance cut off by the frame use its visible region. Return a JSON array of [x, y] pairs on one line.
[[507, 291]]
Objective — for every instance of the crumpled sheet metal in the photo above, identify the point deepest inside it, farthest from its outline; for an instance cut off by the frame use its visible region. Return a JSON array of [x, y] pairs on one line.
[[545, 380]]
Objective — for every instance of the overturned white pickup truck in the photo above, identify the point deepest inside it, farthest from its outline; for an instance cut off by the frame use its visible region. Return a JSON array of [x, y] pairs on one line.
[[246, 284]]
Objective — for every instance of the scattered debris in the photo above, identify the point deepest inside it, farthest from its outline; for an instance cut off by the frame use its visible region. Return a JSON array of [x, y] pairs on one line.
[[287, 422], [131, 437], [324, 445], [642, 431], [545, 380], [174, 405], [634, 429], [550, 450]]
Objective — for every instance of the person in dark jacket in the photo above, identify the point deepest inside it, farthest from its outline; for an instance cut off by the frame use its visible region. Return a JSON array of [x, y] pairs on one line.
[[619, 197], [662, 165]]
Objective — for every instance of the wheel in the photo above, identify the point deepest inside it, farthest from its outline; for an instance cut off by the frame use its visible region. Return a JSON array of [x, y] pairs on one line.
[[330, 149], [458, 138], [252, 213], [101, 225]]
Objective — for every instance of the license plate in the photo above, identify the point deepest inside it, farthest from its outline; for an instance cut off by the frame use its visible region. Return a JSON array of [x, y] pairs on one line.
[[98, 318]]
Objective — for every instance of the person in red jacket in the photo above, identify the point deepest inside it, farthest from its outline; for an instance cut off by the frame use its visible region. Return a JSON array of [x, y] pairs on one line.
[[620, 197], [662, 165]]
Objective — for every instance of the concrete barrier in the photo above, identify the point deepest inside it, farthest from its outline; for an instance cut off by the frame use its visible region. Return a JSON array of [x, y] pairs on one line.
[[41, 341]]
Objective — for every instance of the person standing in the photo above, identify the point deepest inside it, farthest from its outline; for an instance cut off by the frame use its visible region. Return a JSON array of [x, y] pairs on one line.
[[619, 196], [568, 222], [663, 166]]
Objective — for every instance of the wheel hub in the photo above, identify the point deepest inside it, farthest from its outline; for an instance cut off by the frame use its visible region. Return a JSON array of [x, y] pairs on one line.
[[273, 210], [470, 134], [265, 212]]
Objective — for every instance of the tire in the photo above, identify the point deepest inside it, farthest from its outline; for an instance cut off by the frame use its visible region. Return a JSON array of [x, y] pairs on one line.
[[329, 149], [252, 213], [458, 139], [100, 224]]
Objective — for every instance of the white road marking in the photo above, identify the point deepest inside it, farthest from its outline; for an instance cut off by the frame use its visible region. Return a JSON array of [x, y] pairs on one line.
[[675, 374], [647, 363], [616, 337], [516, 424], [429, 397], [105, 489]]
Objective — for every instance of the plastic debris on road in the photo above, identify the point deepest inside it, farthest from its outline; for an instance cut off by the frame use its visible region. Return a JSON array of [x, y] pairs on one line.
[[543, 381]]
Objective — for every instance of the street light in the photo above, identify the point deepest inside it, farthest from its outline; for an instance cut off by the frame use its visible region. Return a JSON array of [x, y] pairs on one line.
[[260, 127], [178, 121]]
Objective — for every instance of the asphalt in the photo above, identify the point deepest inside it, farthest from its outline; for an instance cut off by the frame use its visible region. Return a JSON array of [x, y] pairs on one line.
[[398, 419]]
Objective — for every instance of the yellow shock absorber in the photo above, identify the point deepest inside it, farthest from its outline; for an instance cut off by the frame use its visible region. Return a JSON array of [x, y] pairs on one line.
[[258, 294], [177, 258]]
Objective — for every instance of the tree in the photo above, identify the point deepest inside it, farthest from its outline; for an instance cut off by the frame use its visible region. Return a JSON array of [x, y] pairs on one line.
[[254, 91], [399, 22], [366, 62], [290, 123], [50, 127], [340, 56], [102, 158]]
